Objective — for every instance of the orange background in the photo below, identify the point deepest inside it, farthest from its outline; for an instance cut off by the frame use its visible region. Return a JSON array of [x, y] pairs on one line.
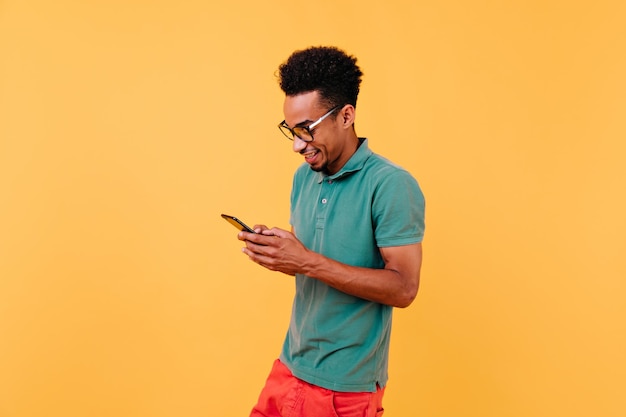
[[127, 127]]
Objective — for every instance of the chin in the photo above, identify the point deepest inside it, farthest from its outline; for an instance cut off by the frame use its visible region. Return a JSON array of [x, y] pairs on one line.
[[318, 168]]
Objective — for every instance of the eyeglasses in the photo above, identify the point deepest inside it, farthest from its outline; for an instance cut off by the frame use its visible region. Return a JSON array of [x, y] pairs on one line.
[[304, 133]]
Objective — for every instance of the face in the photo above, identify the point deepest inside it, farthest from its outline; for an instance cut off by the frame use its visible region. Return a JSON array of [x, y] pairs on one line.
[[330, 150]]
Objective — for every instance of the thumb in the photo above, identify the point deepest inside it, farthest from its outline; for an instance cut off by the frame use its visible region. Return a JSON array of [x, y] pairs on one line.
[[275, 231]]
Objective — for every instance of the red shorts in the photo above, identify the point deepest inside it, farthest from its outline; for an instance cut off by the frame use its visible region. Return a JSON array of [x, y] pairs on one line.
[[284, 395]]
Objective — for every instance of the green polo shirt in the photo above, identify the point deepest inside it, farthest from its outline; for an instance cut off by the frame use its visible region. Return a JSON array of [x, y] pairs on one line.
[[335, 340]]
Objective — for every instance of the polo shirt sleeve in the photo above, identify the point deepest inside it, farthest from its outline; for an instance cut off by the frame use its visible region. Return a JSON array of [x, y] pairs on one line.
[[398, 210]]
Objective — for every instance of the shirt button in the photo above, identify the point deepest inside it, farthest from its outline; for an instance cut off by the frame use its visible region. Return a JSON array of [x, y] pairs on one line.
[[330, 181], [324, 201]]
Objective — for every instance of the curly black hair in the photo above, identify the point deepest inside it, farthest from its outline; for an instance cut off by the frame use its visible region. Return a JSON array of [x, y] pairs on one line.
[[325, 69]]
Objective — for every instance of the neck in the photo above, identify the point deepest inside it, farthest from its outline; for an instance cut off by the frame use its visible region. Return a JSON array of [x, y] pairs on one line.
[[351, 145]]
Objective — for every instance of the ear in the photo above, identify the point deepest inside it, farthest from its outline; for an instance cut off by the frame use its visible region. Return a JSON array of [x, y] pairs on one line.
[[347, 115]]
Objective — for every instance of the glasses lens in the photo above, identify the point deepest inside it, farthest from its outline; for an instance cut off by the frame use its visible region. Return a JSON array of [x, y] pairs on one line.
[[285, 130], [303, 134]]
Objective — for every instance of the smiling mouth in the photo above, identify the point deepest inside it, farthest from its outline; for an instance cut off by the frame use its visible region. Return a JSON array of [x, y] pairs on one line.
[[310, 154]]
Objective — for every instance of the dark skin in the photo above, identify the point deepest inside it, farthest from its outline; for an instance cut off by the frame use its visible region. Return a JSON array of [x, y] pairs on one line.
[[280, 250]]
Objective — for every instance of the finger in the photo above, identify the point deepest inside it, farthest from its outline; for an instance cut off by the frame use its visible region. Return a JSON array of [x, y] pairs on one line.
[[261, 239], [280, 232], [259, 228], [249, 237], [256, 248], [257, 257]]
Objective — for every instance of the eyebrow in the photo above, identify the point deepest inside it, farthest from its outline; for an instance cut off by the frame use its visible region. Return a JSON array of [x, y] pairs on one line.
[[304, 123], [301, 124]]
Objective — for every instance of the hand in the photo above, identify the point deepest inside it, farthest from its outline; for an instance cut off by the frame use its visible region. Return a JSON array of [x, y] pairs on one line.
[[275, 249]]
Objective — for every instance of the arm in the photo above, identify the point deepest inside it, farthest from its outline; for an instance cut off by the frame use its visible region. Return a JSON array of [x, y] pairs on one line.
[[395, 285]]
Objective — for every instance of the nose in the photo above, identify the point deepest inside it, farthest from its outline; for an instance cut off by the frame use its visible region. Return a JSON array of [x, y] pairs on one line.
[[298, 144]]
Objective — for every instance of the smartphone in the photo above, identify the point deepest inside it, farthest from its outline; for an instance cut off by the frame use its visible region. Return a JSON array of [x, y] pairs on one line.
[[237, 223]]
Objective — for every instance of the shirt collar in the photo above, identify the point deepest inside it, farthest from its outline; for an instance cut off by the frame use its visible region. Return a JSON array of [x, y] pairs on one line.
[[354, 164]]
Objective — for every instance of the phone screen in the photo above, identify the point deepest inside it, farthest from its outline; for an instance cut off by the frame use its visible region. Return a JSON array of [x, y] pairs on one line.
[[237, 223]]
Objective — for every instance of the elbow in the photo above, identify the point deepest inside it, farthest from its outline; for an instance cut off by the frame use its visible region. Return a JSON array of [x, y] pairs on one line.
[[405, 301], [408, 295]]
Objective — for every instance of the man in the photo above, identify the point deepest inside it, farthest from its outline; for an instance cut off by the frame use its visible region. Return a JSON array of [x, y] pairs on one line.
[[354, 248]]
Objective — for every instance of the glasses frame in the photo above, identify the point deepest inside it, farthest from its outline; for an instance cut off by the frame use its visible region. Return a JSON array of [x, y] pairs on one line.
[[282, 126]]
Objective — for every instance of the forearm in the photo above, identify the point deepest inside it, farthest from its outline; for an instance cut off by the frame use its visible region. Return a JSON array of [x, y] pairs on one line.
[[385, 286], [395, 285]]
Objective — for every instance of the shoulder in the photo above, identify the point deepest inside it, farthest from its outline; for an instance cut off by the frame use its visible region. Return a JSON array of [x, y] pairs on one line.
[[384, 171]]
